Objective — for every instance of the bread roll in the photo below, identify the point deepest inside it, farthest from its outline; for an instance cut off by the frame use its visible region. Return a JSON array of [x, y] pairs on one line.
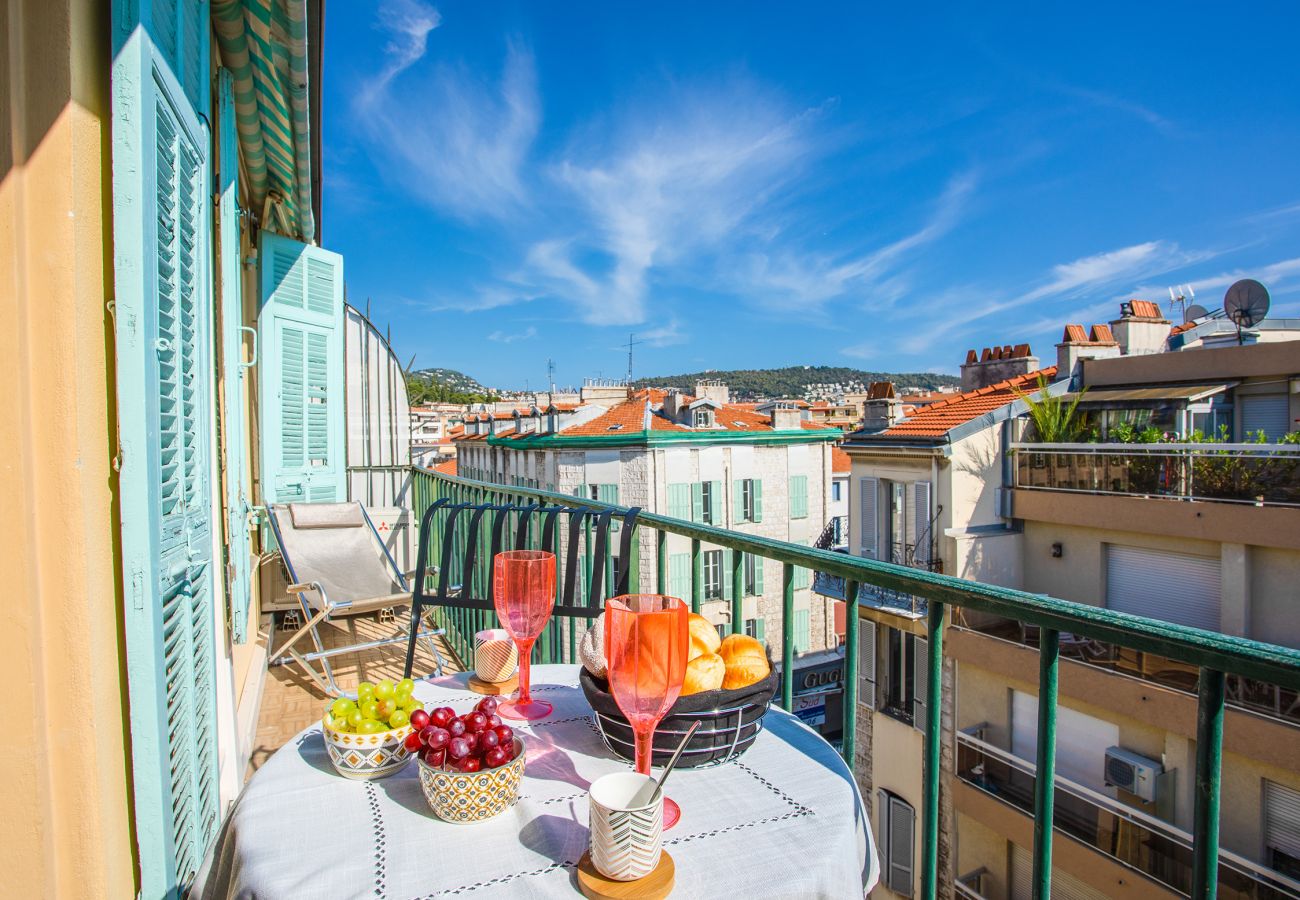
[[704, 637], [591, 649], [741, 647], [744, 673], [704, 673]]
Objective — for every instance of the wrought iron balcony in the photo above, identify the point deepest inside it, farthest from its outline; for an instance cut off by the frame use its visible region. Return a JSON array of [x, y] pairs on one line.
[[1215, 656], [1130, 836], [1263, 474], [829, 585]]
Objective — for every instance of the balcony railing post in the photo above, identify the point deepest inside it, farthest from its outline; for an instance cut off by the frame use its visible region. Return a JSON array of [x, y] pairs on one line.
[[787, 636], [849, 740], [1045, 768], [737, 592], [661, 562], [933, 744], [697, 576], [1209, 762]]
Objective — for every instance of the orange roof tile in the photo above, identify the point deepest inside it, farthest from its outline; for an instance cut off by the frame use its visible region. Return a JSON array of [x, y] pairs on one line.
[[1101, 334], [937, 419], [626, 416], [446, 468], [1074, 334], [1145, 309], [840, 461]]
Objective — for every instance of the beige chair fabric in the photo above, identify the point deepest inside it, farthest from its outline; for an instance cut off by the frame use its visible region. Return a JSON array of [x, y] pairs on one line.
[[323, 545]]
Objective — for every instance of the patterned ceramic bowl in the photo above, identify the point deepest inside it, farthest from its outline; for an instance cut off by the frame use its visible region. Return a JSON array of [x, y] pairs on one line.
[[472, 797], [365, 757]]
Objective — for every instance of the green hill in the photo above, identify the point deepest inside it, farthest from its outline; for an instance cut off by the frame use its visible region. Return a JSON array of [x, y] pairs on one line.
[[809, 382], [445, 386]]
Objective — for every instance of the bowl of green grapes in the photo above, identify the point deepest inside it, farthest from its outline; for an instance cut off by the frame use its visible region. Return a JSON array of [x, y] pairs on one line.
[[365, 737]]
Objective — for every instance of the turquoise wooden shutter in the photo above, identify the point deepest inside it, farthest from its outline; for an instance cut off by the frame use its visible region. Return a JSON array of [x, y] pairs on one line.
[[758, 576], [679, 575], [162, 270], [738, 500], [715, 503], [234, 373], [802, 630], [798, 496], [802, 577], [679, 501], [697, 502], [608, 493], [760, 629], [300, 329], [758, 499], [727, 580]]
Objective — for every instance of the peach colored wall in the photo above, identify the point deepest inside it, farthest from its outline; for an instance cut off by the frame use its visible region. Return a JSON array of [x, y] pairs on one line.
[[66, 831]]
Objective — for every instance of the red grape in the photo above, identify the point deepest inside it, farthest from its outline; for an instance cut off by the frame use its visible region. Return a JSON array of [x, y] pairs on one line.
[[476, 722], [488, 740], [469, 764], [419, 719], [506, 734], [442, 715], [458, 748], [495, 757], [456, 727], [413, 742], [487, 706], [435, 758], [425, 733], [437, 738], [494, 721], [471, 738]]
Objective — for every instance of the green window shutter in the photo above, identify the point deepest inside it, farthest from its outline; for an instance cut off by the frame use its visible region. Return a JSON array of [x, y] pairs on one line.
[[738, 500], [580, 589], [607, 493], [679, 501], [758, 576], [162, 243], [697, 502], [760, 629], [300, 330], [802, 630], [758, 500], [802, 577], [679, 575], [233, 371], [715, 502], [727, 581], [798, 496]]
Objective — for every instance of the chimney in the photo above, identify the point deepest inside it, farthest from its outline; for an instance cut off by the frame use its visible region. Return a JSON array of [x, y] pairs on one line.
[[604, 391], [786, 417], [1141, 328], [673, 403], [996, 364], [714, 390], [1077, 345], [881, 408]]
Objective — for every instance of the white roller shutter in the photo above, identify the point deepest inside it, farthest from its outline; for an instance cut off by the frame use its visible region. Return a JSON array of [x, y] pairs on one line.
[[1064, 885], [1081, 741], [1174, 587], [869, 517], [1282, 819], [1269, 413]]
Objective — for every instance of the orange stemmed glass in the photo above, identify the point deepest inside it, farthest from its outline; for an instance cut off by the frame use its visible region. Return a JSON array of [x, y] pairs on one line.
[[523, 591], [646, 642]]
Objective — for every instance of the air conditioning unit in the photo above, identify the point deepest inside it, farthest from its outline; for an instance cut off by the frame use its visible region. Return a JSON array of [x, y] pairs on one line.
[[1133, 772]]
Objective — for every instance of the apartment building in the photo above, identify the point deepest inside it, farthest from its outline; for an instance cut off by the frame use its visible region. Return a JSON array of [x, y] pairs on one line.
[[1199, 534], [695, 457], [431, 432]]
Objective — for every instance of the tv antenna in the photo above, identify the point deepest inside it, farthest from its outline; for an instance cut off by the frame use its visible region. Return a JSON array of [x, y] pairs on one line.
[[631, 342], [550, 378], [1179, 294], [1246, 304]]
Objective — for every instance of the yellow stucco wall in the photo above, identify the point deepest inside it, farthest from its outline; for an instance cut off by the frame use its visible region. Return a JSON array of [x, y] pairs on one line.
[[66, 829]]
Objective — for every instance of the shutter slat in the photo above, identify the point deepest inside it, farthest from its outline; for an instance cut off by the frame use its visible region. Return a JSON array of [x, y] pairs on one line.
[[1282, 818], [1174, 587]]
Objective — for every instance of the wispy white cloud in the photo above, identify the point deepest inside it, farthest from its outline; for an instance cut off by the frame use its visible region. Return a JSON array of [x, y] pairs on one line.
[[408, 23], [502, 337], [664, 335]]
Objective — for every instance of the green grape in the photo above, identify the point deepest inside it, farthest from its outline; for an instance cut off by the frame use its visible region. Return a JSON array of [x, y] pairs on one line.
[[410, 704], [384, 690], [405, 686], [371, 726], [355, 718], [370, 709], [365, 691], [384, 709], [399, 719], [342, 726], [329, 721], [341, 707]]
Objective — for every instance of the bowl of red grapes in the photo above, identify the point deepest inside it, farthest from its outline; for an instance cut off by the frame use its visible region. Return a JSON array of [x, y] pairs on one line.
[[470, 764]]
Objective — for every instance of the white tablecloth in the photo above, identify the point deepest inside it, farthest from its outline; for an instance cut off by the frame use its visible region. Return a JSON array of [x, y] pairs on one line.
[[784, 820]]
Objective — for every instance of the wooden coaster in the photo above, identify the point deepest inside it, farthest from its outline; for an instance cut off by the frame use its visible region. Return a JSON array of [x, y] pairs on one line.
[[655, 886], [494, 688]]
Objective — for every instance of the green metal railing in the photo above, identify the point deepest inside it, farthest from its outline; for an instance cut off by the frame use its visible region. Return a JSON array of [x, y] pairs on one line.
[[1214, 654]]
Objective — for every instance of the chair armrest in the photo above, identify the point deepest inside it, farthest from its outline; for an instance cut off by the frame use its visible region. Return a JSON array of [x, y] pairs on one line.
[[428, 570], [315, 587]]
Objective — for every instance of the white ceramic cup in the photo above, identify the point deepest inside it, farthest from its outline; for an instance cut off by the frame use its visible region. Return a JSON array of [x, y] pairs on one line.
[[625, 841], [495, 655]]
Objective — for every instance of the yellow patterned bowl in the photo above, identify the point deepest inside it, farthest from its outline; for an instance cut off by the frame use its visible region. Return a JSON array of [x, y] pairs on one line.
[[365, 757], [462, 797]]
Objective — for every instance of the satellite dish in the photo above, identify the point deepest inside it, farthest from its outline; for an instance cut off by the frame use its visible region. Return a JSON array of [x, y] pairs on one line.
[[1246, 303], [1194, 312]]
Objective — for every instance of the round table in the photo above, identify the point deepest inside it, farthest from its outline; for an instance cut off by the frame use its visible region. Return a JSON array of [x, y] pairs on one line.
[[784, 820]]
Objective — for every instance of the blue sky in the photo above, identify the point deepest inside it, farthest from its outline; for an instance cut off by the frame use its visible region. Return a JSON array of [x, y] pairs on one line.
[[764, 184]]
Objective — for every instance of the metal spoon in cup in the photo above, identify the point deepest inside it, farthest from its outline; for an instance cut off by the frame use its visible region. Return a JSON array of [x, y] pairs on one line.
[[644, 799]]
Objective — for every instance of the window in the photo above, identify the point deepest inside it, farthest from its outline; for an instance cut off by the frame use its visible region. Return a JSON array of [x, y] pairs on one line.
[[747, 500], [904, 674], [702, 418], [896, 520], [679, 501], [706, 498], [798, 496], [1282, 828], [752, 572], [835, 491], [755, 629], [802, 625], [802, 577], [712, 574], [897, 843]]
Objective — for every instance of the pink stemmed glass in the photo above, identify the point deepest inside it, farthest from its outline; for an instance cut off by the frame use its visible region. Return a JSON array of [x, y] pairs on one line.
[[523, 590], [647, 641]]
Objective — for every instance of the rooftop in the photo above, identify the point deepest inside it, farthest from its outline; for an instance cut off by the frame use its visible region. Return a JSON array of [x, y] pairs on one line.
[[936, 419]]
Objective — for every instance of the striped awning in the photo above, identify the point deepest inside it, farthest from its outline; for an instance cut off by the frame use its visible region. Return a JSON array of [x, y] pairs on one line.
[[264, 45]]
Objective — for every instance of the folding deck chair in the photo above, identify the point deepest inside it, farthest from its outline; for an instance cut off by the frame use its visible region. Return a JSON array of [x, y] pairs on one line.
[[337, 562], [456, 532]]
